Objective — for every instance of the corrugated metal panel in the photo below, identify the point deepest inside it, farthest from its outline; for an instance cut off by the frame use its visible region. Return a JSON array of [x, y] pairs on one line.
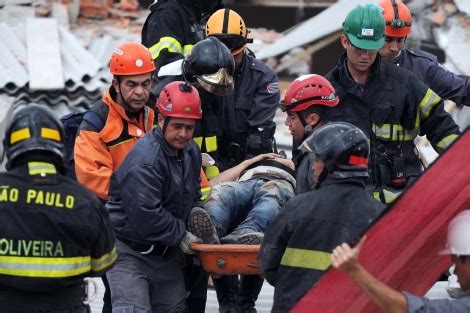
[[12, 59], [319, 26], [44, 63], [79, 63]]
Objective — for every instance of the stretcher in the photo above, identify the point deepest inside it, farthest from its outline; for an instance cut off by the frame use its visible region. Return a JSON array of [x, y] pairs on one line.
[[402, 246], [228, 259]]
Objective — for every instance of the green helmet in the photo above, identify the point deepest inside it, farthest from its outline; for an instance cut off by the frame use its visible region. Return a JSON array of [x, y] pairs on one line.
[[365, 27]]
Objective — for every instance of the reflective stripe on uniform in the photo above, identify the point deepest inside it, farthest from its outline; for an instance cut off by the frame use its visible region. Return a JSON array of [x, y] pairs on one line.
[[187, 49], [211, 171], [54, 267], [104, 261], [205, 192], [311, 259], [394, 132], [429, 101], [211, 143], [44, 267], [198, 141], [169, 43], [37, 168], [446, 141], [389, 196]]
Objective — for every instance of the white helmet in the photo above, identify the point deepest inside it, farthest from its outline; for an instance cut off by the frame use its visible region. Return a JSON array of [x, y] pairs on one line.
[[458, 235]]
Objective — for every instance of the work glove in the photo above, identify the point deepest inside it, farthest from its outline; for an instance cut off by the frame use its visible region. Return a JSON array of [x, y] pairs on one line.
[[187, 241]]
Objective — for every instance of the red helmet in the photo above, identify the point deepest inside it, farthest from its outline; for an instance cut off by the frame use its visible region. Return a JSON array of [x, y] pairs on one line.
[[397, 18], [308, 90], [179, 99], [131, 58]]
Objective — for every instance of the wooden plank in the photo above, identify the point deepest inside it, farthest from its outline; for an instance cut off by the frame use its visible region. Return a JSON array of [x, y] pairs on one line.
[[44, 59]]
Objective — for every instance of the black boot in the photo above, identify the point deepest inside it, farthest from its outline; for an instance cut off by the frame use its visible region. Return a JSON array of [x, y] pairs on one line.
[[250, 287], [226, 288]]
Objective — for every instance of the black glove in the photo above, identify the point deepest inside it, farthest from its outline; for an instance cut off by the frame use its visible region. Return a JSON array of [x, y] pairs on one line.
[[188, 239]]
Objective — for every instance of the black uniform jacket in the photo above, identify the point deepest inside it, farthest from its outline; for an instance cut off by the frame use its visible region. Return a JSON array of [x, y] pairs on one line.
[[298, 243]]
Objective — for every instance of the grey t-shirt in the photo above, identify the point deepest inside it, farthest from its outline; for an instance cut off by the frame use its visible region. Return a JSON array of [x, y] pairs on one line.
[[424, 305]]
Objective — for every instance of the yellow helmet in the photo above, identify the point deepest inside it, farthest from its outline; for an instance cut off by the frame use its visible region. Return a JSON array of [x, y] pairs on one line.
[[229, 27]]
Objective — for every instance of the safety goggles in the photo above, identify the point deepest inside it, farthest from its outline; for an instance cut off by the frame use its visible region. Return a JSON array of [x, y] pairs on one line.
[[219, 83]]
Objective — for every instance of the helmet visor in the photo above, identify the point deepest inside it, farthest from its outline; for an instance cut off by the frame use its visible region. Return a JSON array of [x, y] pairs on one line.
[[233, 42], [219, 83]]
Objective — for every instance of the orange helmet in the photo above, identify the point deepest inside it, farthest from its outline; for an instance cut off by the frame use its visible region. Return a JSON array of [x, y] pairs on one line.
[[179, 99], [308, 90], [397, 18], [131, 58], [229, 27]]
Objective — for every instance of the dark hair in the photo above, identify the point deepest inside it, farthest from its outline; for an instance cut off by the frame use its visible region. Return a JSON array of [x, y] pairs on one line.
[[313, 109]]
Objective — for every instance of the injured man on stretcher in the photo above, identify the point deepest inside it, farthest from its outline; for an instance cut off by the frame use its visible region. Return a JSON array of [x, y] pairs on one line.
[[244, 200]]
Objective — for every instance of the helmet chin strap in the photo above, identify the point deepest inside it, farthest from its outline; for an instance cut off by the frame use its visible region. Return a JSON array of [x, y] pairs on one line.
[[321, 178]]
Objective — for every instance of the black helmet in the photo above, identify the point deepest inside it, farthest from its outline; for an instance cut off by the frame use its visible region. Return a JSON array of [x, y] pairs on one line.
[[342, 147], [211, 65], [205, 5], [34, 128]]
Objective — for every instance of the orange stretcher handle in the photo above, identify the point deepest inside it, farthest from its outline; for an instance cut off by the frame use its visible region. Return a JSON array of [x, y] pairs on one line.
[[228, 259]]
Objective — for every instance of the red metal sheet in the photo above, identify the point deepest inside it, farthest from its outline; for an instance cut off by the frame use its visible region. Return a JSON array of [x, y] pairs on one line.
[[402, 246]]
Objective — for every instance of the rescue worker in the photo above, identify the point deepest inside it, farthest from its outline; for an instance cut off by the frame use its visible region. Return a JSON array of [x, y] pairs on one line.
[[246, 121], [53, 231], [398, 23], [152, 193], [388, 103], [306, 100], [125, 115], [297, 244], [174, 26], [210, 68], [389, 300]]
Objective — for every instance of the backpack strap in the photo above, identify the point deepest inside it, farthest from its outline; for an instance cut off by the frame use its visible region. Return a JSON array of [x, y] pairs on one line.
[[94, 119]]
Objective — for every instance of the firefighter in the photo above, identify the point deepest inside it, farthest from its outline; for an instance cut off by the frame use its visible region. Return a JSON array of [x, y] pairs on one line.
[[389, 300], [125, 115], [388, 103], [247, 127], [422, 64], [297, 244], [151, 195], [210, 68], [53, 231], [174, 26], [306, 100]]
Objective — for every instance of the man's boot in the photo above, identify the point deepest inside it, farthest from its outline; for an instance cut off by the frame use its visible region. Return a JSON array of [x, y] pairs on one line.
[[226, 288], [250, 287], [200, 224], [243, 236]]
